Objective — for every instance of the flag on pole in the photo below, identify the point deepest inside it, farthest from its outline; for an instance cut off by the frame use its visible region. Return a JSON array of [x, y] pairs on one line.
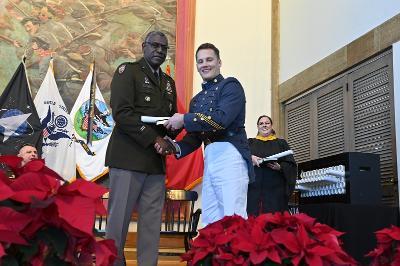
[[19, 121], [187, 172], [90, 156], [58, 148]]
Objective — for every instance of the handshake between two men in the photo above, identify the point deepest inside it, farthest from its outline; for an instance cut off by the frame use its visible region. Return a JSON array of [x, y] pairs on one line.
[[166, 145]]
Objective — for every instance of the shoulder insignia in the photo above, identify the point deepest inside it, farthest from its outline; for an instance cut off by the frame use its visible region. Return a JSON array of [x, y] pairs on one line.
[[121, 69]]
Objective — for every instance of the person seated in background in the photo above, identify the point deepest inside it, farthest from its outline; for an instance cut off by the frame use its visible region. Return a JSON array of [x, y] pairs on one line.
[[27, 152], [275, 180]]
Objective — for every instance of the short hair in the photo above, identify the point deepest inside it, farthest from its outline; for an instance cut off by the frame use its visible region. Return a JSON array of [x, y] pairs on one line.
[[24, 145], [208, 46], [34, 21], [151, 33]]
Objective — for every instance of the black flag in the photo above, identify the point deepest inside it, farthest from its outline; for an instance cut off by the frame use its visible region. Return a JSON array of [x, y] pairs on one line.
[[19, 121]]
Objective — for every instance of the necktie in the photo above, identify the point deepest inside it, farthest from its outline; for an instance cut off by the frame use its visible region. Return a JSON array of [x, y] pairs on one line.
[[157, 77]]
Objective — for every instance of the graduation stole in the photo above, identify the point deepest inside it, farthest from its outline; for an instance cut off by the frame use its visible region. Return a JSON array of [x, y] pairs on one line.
[[269, 137]]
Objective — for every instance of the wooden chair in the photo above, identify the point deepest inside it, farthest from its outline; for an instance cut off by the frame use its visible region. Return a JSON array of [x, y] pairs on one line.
[[179, 216]]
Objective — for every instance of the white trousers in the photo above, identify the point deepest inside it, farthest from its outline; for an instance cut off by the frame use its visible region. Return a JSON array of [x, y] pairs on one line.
[[225, 183]]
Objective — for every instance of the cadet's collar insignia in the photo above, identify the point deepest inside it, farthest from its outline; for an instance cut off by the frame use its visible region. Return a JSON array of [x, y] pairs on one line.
[[147, 98], [121, 69], [215, 80], [170, 107], [146, 80], [168, 88]]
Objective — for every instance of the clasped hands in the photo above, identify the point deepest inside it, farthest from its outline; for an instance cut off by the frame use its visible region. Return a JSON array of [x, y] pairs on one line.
[[165, 146]]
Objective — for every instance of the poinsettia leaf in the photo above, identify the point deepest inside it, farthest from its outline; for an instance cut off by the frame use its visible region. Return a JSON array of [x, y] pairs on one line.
[[286, 238], [54, 237], [84, 188], [12, 161], [77, 211], [200, 243], [99, 207], [340, 259], [393, 232], [320, 251], [199, 256], [313, 260], [13, 220], [256, 257], [223, 239], [246, 246], [106, 252], [5, 191], [224, 256], [10, 236], [297, 259], [33, 185]]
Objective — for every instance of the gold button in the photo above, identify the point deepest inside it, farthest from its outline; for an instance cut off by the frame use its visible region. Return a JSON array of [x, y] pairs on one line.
[[210, 109], [201, 118], [202, 133], [209, 117], [195, 119], [205, 92]]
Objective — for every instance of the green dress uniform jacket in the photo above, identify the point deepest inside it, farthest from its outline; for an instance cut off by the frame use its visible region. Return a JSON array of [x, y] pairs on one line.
[[136, 92]]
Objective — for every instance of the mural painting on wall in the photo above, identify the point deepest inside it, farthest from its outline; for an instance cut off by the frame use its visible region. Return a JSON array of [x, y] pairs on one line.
[[75, 32]]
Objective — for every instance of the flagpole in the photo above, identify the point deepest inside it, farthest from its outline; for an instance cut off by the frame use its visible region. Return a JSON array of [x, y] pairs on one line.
[[26, 73], [92, 102]]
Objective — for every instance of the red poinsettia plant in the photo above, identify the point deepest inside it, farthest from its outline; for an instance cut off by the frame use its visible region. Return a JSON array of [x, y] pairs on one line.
[[387, 251], [269, 239], [45, 222]]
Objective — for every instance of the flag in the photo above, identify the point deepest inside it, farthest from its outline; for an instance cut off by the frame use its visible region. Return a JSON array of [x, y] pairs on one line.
[[19, 121], [58, 148], [90, 155], [187, 172]]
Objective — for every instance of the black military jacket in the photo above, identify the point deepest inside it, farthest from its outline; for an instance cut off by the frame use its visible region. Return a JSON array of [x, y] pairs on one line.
[[135, 92]]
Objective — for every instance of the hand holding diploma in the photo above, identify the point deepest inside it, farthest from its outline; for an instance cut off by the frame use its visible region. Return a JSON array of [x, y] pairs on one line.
[[175, 122], [158, 120]]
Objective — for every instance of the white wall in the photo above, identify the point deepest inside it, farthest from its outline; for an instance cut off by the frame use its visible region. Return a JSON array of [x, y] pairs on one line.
[[241, 30], [313, 29]]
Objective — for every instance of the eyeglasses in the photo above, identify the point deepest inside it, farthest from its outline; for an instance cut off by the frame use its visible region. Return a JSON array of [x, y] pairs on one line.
[[156, 45]]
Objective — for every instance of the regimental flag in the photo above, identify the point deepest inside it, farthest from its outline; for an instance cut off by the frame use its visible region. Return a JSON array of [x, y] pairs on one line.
[[94, 117], [187, 172], [58, 148], [19, 121]]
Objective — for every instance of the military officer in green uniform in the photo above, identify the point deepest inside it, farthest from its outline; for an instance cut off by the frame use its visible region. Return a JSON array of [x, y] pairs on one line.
[[137, 171]]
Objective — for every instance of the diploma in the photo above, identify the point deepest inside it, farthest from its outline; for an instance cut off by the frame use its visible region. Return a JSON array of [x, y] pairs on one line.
[[158, 120], [275, 157]]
